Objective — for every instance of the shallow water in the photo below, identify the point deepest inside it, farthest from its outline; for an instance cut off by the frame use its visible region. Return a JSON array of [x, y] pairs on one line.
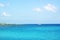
[[29, 32]]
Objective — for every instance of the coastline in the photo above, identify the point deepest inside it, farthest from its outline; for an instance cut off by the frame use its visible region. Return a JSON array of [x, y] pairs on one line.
[[4, 24]]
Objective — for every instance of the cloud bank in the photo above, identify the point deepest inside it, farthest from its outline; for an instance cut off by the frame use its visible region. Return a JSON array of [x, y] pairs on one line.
[[50, 7], [2, 5], [37, 9], [5, 14]]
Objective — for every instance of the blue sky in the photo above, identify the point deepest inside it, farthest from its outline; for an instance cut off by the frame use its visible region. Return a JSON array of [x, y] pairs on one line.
[[30, 11]]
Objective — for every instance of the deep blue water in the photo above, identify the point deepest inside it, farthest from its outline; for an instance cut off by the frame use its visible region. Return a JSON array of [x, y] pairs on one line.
[[29, 32]]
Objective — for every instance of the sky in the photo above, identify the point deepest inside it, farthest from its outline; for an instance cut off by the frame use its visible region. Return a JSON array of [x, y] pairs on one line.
[[30, 11]]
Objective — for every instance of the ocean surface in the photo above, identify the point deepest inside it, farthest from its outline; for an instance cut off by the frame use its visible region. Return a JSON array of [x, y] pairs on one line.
[[30, 32]]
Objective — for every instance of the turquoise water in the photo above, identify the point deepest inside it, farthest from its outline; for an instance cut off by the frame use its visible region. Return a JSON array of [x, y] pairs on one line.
[[29, 32]]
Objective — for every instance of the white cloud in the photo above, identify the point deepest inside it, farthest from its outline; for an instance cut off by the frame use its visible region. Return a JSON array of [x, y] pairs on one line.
[[5, 14], [50, 7], [36, 9], [2, 5]]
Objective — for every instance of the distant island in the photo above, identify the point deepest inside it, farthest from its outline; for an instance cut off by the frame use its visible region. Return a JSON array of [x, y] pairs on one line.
[[3, 24]]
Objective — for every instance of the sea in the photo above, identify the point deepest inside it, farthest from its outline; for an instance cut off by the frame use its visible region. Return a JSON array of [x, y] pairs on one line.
[[30, 32]]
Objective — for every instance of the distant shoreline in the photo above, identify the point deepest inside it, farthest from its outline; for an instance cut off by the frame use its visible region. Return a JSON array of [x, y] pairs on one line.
[[33, 24]]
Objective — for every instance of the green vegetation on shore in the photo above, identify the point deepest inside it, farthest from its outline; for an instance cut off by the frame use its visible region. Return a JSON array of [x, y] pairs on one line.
[[4, 24]]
